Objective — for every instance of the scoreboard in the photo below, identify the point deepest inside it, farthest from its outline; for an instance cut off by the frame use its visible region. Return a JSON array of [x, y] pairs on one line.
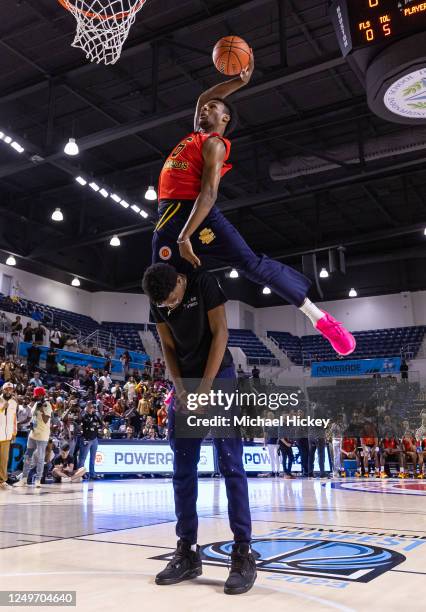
[[363, 23]]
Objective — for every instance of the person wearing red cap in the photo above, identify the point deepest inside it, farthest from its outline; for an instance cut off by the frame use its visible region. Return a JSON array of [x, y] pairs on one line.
[[8, 408], [39, 436]]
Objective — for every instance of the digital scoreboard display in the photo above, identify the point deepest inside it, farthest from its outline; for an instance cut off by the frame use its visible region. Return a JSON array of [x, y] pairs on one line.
[[361, 23]]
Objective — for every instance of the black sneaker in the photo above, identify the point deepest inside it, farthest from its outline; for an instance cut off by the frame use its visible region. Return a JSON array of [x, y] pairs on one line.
[[243, 570], [185, 565]]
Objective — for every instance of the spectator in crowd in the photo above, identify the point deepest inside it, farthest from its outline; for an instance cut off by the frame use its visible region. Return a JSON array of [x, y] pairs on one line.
[[130, 389], [148, 367], [91, 427], [8, 429], [125, 362], [51, 365], [162, 420], [157, 368], [63, 470], [39, 334], [403, 368], [5, 335], [16, 331], [39, 435], [28, 332], [105, 381], [55, 338], [62, 367], [255, 373], [108, 364], [33, 357], [24, 413], [36, 381], [286, 452], [270, 442]]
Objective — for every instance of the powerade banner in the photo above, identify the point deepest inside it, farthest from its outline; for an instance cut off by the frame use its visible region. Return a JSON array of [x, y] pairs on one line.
[[356, 367], [255, 459], [143, 458]]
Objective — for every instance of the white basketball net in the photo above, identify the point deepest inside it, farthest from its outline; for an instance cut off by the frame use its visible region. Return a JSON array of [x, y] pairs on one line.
[[102, 26]]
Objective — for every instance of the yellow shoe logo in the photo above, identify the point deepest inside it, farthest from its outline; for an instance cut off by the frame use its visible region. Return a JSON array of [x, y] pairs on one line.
[[207, 236]]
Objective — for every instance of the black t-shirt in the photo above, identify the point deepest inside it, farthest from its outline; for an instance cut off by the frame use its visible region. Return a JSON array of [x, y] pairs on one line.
[[63, 461], [189, 323]]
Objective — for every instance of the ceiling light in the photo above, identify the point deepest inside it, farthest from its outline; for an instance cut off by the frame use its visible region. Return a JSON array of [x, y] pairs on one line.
[[94, 186], [7, 139], [136, 208], [57, 215], [115, 241], [144, 214], [17, 147], [104, 192], [352, 293], [324, 273], [71, 148], [266, 291], [150, 193], [233, 273], [116, 198], [424, 231], [1, 135], [75, 282], [81, 180], [124, 204], [11, 261]]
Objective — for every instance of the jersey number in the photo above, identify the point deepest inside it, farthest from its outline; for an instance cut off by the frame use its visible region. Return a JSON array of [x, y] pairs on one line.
[[178, 150]]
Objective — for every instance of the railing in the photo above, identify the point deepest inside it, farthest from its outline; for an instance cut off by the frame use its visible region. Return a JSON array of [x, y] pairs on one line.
[[100, 339], [71, 329], [410, 351]]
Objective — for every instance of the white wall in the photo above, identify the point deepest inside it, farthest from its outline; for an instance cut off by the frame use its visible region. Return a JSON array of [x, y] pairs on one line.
[[120, 307], [39, 289], [378, 312]]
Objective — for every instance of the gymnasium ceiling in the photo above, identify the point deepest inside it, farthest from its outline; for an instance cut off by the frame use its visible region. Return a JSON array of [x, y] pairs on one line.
[[304, 105]]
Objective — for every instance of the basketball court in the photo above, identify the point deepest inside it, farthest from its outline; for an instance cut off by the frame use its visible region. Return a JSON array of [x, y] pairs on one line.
[[321, 545]]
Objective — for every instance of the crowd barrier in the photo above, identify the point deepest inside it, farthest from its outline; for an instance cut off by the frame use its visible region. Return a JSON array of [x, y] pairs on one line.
[[73, 358], [131, 456]]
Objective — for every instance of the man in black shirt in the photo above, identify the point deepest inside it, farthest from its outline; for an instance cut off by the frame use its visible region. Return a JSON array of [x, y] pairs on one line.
[[63, 467], [190, 316], [91, 423]]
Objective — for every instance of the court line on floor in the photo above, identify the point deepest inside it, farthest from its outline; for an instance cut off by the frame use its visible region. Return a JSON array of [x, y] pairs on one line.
[[408, 572]]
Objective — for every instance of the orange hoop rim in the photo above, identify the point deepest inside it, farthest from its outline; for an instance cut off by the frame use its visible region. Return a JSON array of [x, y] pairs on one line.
[[69, 7]]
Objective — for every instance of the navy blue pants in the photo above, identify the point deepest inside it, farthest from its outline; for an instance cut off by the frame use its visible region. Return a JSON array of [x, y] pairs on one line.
[[217, 241], [185, 480]]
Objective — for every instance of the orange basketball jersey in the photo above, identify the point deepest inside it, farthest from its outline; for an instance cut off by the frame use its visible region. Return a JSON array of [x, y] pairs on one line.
[[349, 445], [181, 175]]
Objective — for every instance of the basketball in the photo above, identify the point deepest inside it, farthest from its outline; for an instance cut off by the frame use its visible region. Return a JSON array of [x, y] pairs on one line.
[[231, 54]]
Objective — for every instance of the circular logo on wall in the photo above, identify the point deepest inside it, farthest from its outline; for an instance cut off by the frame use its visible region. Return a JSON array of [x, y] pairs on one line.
[[99, 459], [165, 253], [407, 96]]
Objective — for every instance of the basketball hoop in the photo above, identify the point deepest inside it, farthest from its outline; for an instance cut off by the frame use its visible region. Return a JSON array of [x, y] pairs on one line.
[[102, 26]]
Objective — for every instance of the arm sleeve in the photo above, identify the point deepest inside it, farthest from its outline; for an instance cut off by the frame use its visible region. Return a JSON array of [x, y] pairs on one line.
[[212, 292]]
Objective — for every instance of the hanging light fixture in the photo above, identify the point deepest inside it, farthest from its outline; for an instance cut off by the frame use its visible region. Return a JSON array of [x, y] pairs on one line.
[[150, 193], [57, 215], [71, 148], [11, 261], [233, 273], [266, 291], [353, 293], [115, 241], [75, 282], [324, 273]]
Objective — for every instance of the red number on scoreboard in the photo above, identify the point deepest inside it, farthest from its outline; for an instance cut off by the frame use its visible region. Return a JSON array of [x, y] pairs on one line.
[[369, 34], [373, 3], [386, 29]]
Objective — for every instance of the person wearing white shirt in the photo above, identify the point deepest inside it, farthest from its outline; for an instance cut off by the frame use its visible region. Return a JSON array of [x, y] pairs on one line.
[[8, 408]]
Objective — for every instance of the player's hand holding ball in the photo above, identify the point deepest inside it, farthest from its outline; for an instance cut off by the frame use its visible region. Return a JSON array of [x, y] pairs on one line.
[[232, 56]]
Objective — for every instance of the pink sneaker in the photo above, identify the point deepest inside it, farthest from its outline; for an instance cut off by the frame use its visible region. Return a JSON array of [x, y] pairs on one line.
[[340, 339]]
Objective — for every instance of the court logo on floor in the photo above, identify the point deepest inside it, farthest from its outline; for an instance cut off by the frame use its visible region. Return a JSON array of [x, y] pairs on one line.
[[310, 557], [385, 487]]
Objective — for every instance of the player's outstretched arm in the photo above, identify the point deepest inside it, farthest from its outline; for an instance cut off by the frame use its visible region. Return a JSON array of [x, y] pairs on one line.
[[224, 89]]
